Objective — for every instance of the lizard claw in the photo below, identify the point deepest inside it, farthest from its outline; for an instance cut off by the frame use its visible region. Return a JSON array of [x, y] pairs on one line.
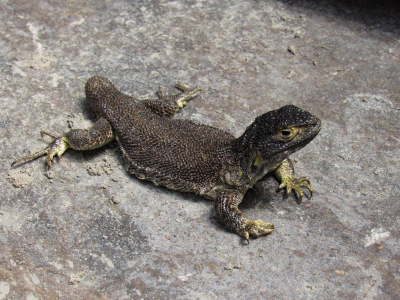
[[255, 229], [292, 183]]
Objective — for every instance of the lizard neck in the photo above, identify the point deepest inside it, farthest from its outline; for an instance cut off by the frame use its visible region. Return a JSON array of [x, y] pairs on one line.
[[253, 166]]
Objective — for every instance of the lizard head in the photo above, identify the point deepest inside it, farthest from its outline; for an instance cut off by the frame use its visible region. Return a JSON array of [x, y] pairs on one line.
[[275, 135]]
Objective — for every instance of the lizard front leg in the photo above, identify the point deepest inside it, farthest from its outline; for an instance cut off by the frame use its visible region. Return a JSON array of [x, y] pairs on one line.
[[170, 104], [285, 173], [79, 139], [226, 206]]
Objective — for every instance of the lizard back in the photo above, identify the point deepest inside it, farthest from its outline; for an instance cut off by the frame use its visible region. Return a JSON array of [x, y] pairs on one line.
[[178, 154]]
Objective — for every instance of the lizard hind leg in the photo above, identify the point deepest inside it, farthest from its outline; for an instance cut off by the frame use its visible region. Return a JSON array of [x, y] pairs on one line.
[[97, 136], [56, 148], [167, 105]]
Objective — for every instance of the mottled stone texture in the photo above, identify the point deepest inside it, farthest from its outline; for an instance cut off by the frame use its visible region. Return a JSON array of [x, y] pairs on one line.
[[88, 230]]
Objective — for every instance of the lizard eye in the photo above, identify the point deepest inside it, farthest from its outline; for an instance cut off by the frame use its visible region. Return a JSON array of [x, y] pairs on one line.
[[288, 133]]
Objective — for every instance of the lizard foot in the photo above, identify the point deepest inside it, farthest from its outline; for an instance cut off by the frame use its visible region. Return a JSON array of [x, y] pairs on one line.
[[186, 94], [292, 183], [56, 148], [256, 228], [285, 173]]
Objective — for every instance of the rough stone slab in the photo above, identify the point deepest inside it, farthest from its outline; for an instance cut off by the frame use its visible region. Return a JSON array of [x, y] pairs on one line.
[[87, 230]]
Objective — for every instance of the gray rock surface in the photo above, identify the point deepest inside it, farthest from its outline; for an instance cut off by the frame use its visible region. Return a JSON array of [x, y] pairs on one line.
[[88, 230]]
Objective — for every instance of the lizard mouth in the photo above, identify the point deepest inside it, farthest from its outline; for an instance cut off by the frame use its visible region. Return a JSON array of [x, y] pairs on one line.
[[309, 133], [317, 126]]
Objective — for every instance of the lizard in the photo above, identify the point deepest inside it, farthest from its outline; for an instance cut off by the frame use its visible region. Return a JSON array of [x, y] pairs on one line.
[[187, 156]]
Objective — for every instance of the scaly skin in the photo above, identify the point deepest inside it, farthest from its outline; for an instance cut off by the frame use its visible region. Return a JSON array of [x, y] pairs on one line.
[[189, 157]]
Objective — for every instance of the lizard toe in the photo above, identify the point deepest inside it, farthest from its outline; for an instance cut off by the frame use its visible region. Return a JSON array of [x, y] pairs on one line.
[[256, 228]]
